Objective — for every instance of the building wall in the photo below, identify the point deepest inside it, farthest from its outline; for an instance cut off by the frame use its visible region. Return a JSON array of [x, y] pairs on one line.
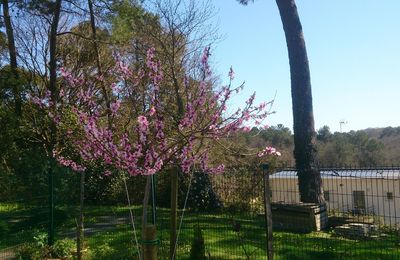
[[384, 208]]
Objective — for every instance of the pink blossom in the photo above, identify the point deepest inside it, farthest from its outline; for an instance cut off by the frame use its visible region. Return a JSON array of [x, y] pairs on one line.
[[246, 129], [231, 74], [143, 123], [269, 150], [251, 99], [152, 111], [217, 170], [115, 106], [155, 142]]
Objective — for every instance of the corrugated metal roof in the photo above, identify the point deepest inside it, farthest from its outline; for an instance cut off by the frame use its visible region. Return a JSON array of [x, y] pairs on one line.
[[368, 174]]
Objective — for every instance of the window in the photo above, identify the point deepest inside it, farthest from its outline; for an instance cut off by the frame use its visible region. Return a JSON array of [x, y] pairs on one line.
[[359, 200], [389, 195], [326, 195]]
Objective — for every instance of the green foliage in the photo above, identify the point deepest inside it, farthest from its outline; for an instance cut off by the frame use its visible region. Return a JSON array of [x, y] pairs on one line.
[[324, 134], [3, 229], [104, 251], [278, 136], [40, 239], [36, 250], [202, 196], [77, 54], [124, 18], [39, 249], [8, 81], [100, 189], [63, 248], [197, 251], [389, 131], [28, 251], [352, 148]]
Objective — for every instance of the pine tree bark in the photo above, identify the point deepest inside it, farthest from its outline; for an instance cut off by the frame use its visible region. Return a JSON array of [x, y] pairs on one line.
[[53, 52], [13, 58], [310, 183], [53, 96]]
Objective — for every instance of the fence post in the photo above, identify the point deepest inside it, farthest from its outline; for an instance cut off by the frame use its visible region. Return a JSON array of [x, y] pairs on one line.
[[173, 214], [268, 213], [80, 228], [150, 243], [50, 175]]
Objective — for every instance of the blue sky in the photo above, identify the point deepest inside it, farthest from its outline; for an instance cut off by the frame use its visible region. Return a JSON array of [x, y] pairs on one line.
[[354, 53]]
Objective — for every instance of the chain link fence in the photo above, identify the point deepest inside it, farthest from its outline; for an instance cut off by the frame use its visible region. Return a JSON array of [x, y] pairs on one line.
[[362, 219]]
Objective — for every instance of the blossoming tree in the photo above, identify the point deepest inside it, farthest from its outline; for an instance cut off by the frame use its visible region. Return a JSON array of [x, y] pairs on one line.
[[145, 137]]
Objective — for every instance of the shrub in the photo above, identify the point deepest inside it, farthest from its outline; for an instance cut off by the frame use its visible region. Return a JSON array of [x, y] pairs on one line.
[[39, 249], [40, 239], [103, 252], [202, 195], [63, 248], [28, 251], [197, 252]]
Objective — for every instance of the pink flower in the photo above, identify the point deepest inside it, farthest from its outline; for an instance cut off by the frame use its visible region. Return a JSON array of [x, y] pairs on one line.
[[143, 123], [231, 74], [204, 61], [246, 129], [115, 106], [206, 54], [152, 111], [269, 150], [251, 99], [217, 170]]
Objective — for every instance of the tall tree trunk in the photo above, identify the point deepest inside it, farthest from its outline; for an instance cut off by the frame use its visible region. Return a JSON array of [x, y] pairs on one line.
[[54, 95], [13, 58], [99, 70], [310, 183], [53, 52]]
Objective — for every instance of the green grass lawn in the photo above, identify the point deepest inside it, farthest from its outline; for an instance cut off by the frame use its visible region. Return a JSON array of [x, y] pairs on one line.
[[227, 236]]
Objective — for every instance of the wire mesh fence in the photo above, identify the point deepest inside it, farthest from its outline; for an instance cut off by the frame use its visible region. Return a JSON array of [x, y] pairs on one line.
[[361, 221], [362, 209]]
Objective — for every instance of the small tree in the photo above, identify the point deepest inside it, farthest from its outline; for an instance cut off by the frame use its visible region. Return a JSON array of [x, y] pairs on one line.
[[198, 250], [149, 139]]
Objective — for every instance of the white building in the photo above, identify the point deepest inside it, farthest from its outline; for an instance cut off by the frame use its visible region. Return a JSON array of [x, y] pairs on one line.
[[372, 192]]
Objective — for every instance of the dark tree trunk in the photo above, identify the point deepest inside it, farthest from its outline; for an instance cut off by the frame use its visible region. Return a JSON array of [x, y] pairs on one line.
[[94, 35], [13, 58], [106, 94], [310, 183], [53, 52], [54, 96]]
